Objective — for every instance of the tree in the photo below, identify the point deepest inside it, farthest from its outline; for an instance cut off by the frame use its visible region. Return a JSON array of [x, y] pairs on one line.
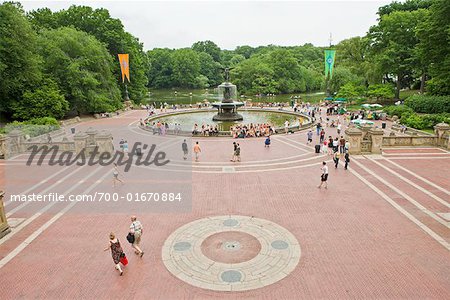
[[45, 101], [208, 47], [210, 69], [393, 41], [245, 51], [107, 30], [343, 76], [160, 73], [381, 91], [186, 68], [82, 67], [354, 54], [348, 91], [19, 64], [409, 5], [434, 46]]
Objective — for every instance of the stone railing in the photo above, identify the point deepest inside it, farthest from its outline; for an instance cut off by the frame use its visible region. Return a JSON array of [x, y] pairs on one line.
[[15, 143], [395, 141], [371, 140]]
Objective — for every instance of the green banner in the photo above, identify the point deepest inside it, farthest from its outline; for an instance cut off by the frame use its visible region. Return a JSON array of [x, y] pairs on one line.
[[329, 62]]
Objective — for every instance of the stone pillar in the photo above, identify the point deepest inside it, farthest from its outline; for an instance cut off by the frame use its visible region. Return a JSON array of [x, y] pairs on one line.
[[354, 136], [365, 128], [104, 141], [4, 146], [91, 132], [15, 142], [80, 142], [4, 227], [442, 130], [377, 140]]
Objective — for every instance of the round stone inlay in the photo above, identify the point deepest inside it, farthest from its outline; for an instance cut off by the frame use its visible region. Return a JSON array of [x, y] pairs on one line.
[[231, 276], [230, 247], [279, 245], [230, 222], [182, 246], [231, 253]]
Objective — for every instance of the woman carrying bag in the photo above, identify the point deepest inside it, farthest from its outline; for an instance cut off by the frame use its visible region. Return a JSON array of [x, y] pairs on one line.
[[117, 253]]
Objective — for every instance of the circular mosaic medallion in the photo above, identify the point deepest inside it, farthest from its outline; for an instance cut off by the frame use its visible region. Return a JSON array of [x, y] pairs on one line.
[[231, 253]]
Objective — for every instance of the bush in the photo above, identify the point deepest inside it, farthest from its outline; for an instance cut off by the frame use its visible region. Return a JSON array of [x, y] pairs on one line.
[[381, 91], [429, 104], [413, 120], [432, 120], [34, 127], [397, 110]]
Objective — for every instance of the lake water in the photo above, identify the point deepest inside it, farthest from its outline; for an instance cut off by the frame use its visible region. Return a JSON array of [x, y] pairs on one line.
[[198, 96]]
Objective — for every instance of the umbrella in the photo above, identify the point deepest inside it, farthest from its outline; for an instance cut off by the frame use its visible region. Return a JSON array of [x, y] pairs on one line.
[[329, 98], [376, 105], [341, 99], [366, 105], [361, 122]]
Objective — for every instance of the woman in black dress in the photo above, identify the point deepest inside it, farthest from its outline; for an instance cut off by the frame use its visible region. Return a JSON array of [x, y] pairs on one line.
[[116, 251]]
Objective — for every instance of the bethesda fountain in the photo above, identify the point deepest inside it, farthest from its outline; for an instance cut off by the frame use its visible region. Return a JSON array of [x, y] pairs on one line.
[[227, 107]]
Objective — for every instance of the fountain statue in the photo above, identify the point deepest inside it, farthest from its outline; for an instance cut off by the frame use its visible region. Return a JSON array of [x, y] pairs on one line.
[[227, 108]]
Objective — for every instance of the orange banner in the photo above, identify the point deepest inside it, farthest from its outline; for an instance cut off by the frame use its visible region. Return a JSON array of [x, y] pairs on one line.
[[124, 66]]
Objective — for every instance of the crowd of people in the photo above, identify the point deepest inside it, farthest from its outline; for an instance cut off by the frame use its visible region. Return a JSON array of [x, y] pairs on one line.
[[251, 130], [205, 130]]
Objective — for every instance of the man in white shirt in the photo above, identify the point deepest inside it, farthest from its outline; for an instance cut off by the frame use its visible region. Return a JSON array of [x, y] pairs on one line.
[[324, 176], [136, 229]]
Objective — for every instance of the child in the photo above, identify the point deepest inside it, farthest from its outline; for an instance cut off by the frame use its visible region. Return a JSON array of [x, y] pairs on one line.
[[325, 146]]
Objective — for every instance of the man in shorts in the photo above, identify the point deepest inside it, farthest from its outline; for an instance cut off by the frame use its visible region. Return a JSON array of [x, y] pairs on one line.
[[136, 229], [197, 151], [324, 176]]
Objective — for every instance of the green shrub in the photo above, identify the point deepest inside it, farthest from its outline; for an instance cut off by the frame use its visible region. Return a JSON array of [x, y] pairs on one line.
[[429, 104], [397, 110], [432, 120], [34, 127], [413, 120]]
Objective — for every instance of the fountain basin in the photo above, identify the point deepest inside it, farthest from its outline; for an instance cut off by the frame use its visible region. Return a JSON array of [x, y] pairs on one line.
[[227, 111]]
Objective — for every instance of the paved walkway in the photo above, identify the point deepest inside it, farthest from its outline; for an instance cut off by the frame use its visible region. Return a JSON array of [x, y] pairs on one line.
[[381, 229]]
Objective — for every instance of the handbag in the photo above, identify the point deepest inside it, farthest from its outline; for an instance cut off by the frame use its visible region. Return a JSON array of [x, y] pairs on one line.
[[123, 259], [130, 238]]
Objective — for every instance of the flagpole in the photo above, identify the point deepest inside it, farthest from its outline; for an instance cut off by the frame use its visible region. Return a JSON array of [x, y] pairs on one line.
[[127, 98]]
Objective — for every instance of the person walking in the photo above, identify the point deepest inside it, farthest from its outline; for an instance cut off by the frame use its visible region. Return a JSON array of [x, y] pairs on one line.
[[116, 176], [184, 148], [342, 145], [310, 136], [267, 142], [324, 176], [347, 159], [318, 128], [233, 158], [197, 151], [322, 135], [286, 127], [136, 229], [336, 159], [116, 251], [238, 152]]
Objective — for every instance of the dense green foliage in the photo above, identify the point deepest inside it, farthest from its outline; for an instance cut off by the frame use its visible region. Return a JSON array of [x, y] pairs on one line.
[[429, 104], [65, 62], [56, 63], [412, 119], [34, 127]]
